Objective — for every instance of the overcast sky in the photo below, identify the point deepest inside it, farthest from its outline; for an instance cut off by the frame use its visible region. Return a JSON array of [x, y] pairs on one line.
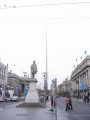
[[23, 36]]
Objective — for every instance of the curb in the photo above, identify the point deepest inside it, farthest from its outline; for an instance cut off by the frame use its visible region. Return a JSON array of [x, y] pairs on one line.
[[77, 100]]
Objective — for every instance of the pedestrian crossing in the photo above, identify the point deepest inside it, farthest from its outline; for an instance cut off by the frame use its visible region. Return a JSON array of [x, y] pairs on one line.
[[80, 110]]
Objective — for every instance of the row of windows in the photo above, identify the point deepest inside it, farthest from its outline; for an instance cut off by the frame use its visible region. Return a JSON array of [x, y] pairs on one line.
[[2, 75], [2, 70]]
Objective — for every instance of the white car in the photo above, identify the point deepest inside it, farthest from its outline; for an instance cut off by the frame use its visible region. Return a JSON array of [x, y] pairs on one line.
[[14, 98], [1, 99], [8, 99]]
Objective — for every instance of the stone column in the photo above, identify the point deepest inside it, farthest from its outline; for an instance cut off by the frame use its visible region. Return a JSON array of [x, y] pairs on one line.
[[88, 78]]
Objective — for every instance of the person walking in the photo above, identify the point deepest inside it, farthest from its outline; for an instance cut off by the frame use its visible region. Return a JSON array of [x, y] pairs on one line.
[[47, 99], [70, 103], [67, 103], [87, 99], [52, 104]]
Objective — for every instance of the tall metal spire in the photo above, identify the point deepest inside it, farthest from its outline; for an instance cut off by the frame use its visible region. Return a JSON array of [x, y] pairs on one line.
[[46, 57]]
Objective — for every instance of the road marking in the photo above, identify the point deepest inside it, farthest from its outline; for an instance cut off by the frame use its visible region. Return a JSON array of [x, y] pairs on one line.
[[66, 113], [82, 108], [62, 104], [80, 115]]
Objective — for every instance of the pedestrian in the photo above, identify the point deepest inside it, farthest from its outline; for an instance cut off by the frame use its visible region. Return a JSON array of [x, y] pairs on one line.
[[41, 98], [52, 104], [67, 103], [47, 99], [0, 92], [87, 99], [70, 103], [83, 98]]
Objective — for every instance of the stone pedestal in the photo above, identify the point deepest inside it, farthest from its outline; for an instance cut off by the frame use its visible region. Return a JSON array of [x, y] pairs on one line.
[[32, 95]]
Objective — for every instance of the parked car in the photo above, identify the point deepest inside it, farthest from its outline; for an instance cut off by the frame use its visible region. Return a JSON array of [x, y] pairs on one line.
[[2, 98], [14, 98], [7, 99]]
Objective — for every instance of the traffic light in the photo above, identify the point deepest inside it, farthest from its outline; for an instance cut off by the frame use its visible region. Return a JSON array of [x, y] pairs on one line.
[[54, 84]]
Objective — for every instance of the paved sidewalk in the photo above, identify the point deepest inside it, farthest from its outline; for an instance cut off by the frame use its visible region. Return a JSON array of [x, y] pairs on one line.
[[11, 112], [80, 100]]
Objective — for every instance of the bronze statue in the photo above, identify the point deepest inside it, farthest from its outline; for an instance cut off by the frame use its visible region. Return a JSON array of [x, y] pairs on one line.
[[33, 69]]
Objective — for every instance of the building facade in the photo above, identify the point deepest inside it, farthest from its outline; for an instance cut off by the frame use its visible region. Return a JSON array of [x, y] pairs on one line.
[[80, 78], [20, 84], [64, 88], [3, 74]]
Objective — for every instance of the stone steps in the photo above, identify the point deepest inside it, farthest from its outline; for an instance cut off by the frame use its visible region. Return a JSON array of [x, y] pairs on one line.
[[31, 105]]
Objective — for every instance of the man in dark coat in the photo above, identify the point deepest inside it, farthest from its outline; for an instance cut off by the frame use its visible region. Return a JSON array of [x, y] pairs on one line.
[[70, 103]]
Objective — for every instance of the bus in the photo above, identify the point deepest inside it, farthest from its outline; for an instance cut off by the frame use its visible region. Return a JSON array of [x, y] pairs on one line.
[[9, 92], [1, 95], [6, 93]]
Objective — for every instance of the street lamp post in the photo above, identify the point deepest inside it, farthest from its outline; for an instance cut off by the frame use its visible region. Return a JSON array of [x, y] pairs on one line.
[[4, 93], [5, 81], [54, 92], [55, 99], [4, 88], [45, 73]]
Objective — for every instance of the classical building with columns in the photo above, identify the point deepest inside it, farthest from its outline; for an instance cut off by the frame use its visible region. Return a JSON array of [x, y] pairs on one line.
[[80, 78]]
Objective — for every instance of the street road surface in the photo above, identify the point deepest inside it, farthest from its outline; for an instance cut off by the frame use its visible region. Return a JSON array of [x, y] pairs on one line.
[[81, 111], [6, 103]]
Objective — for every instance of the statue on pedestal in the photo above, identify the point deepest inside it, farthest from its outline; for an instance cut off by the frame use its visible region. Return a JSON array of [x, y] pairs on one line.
[[33, 69], [32, 97]]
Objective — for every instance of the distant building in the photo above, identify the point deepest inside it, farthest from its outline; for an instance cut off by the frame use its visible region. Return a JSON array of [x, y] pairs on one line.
[[3, 74], [60, 89], [20, 84], [64, 88]]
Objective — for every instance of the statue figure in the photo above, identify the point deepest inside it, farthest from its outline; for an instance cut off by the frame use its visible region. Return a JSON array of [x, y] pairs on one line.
[[33, 69]]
